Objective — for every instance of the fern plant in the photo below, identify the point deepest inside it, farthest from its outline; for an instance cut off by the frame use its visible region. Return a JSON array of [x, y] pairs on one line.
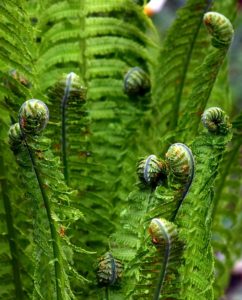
[[90, 94]]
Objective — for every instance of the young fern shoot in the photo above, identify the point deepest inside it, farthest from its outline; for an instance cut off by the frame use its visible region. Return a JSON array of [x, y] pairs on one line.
[[44, 182]]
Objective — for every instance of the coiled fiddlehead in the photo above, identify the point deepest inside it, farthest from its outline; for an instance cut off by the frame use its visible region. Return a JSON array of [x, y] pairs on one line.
[[161, 231], [33, 116], [151, 170], [216, 121], [15, 137], [136, 82], [181, 167], [180, 162], [220, 28], [68, 87], [109, 270]]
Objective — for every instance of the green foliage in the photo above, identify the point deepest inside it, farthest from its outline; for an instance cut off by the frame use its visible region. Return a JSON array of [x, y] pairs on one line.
[[74, 224]]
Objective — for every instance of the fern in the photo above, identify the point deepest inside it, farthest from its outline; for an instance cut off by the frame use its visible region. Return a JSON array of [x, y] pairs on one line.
[[196, 222], [226, 204], [47, 185], [179, 52], [112, 88]]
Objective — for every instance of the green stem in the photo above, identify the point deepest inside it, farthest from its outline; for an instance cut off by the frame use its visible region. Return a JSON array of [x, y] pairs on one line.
[[59, 278], [11, 235]]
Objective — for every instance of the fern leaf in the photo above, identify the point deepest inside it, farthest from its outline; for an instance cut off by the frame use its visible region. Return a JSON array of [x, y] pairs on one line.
[[158, 266], [195, 214], [175, 59], [45, 183], [207, 73], [226, 204]]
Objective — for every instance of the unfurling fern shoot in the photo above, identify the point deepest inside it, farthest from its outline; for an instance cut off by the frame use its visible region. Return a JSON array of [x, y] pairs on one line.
[[33, 116], [109, 270], [151, 171], [163, 233], [216, 121], [15, 137], [67, 98], [220, 28], [136, 82], [181, 167]]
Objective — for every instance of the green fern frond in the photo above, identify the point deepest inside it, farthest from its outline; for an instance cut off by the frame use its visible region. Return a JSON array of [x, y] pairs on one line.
[[175, 59], [68, 119], [195, 217], [44, 182], [159, 274], [221, 30], [227, 203]]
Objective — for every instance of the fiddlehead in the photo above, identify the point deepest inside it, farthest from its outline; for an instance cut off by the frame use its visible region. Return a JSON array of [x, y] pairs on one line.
[[181, 165], [216, 121], [220, 29], [15, 137], [33, 116], [151, 170], [136, 82], [109, 270], [44, 182]]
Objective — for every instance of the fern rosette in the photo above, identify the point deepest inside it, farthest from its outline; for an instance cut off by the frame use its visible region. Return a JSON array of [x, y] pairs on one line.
[[216, 121], [220, 29], [33, 116]]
